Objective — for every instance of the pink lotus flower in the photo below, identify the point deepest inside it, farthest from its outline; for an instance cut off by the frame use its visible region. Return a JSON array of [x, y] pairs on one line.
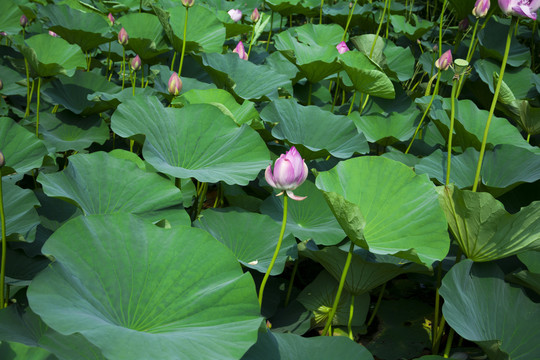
[[290, 171], [123, 37], [444, 61], [255, 16], [175, 84], [241, 51], [136, 63], [188, 3], [520, 7], [235, 14], [111, 18], [342, 47], [23, 20], [481, 8], [53, 34]]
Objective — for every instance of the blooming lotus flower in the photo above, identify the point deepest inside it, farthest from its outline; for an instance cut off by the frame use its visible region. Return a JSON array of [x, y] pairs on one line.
[[481, 8], [175, 84], [123, 37], [342, 47], [136, 63], [520, 7], [290, 171], [23, 20], [444, 61], [53, 34], [111, 18], [235, 14], [255, 16], [241, 51]]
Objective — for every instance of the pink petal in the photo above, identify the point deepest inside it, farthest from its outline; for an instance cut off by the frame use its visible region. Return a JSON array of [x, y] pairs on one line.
[[284, 174], [270, 177], [294, 197]]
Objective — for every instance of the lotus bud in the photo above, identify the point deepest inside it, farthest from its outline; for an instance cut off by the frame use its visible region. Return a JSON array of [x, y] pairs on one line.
[[3, 33], [241, 51], [350, 5], [481, 8], [463, 25], [111, 18], [188, 3], [123, 37], [290, 171], [53, 34], [526, 8], [235, 14], [175, 84], [23, 20], [2, 159], [136, 63], [444, 61], [435, 48], [342, 47], [255, 16]]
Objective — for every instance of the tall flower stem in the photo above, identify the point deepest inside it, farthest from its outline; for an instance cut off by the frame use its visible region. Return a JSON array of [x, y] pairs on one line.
[[379, 28], [123, 66], [351, 315], [291, 282], [251, 41], [270, 32], [320, 13], [278, 246], [339, 290], [28, 91], [335, 93], [377, 305], [455, 85], [183, 44], [493, 104], [470, 53], [441, 20], [37, 109], [4, 249], [351, 11]]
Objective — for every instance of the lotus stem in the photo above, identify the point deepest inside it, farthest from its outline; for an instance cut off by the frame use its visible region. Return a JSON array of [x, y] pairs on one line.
[[351, 314], [339, 290], [37, 109], [351, 11], [251, 41], [291, 282], [278, 246], [28, 91], [123, 66], [183, 44], [3, 300], [352, 103], [270, 33], [441, 20], [378, 29], [451, 130], [335, 94], [108, 60], [493, 104], [470, 53], [435, 325], [320, 12]]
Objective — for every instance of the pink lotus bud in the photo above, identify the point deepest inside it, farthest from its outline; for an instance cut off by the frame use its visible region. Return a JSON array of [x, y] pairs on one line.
[[526, 8], [463, 24], [53, 34], [3, 33], [444, 61], [241, 51], [123, 37], [136, 63], [481, 8], [23, 20], [2, 159], [111, 18], [188, 3], [342, 47], [255, 16], [290, 171], [235, 14], [175, 84]]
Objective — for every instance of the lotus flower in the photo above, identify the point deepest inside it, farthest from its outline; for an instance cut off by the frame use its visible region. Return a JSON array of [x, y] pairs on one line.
[[111, 18], [290, 171], [136, 63], [188, 3], [255, 16], [235, 14], [520, 7], [241, 51], [175, 84], [23, 20], [444, 61], [53, 34], [481, 8], [123, 37], [342, 47]]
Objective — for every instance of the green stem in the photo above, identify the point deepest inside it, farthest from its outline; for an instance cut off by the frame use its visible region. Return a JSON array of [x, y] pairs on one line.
[[361, 110], [439, 331], [435, 325], [276, 252], [528, 137], [28, 92], [470, 53], [339, 290], [134, 82], [291, 282], [378, 29], [351, 314], [202, 196], [441, 19], [173, 60], [335, 94], [37, 109], [352, 103], [3, 301], [451, 130], [493, 104], [351, 11], [183, 44], [320, 12], [108, 60], [251, 41], [270, 33], [449, 343], [377, 305], [123, 67]]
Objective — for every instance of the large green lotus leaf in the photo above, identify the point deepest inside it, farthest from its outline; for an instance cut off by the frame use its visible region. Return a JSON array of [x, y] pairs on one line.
[[400, 209], [288, 7], [531, 259], [366, 271], [123, 187], [315, 128], [16, 351], [14, 82], [527, 279], [145, 34], [72, 92], [19, 209], [204, 30], [86, 29], [23, 326], [145, 290], [271, 346], [22, 150], [517, 79], [529, 118], [223, 100], [319, 297], [251, 237], [195, 141], [413, 28], [399, 61], [386, 128], [49, 55], [9, 17], [481, 307], [229, 71], [492, 46], [366, 76], [64, 131], [483, 228], [310, 218], [364, 43]]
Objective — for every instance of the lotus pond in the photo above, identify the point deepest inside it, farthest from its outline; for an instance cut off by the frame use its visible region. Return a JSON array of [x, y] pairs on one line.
[[277, 179]]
